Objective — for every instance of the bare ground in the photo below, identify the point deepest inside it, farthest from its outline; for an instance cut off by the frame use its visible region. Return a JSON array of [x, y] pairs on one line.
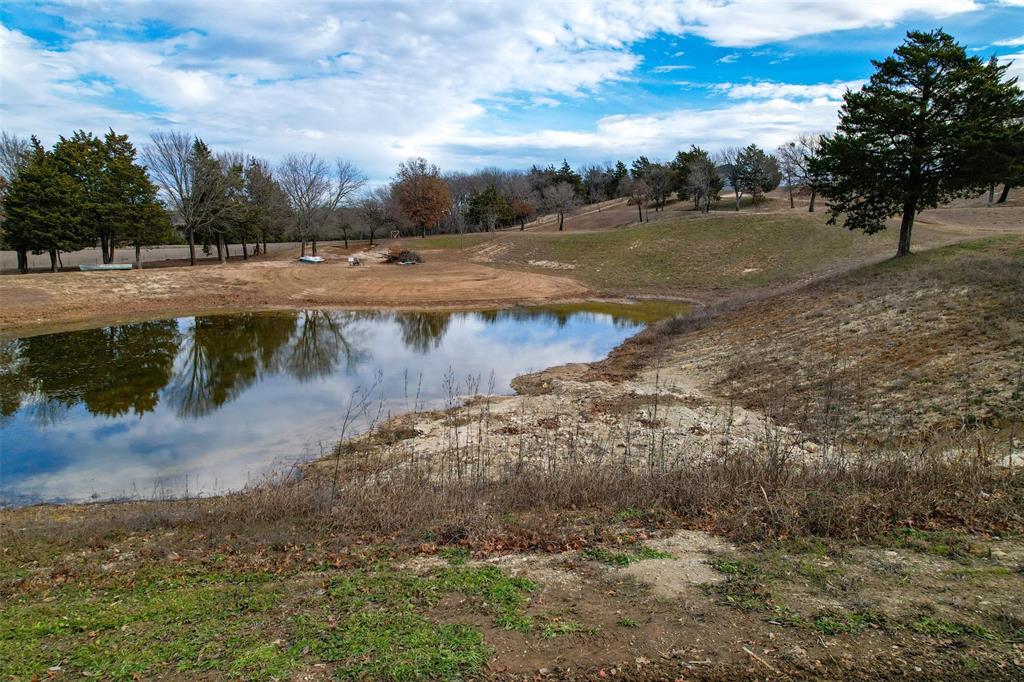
[[38, 303]]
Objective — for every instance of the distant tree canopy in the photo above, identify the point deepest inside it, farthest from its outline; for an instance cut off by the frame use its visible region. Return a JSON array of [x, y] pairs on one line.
[[85, 191], [918, 134]]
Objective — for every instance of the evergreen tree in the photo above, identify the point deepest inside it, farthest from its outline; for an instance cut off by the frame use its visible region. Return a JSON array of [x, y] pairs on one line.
[[910, 138], [487, 207], [756, 172], [43, 209], [132, 214]]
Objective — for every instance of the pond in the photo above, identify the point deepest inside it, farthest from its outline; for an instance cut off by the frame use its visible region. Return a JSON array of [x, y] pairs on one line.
[[202, 405]]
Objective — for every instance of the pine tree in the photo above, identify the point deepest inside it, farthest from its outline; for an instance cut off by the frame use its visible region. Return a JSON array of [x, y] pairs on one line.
[[910, 139]]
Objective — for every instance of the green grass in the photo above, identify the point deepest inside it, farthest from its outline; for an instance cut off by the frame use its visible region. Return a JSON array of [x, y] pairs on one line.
[[559, 627], [842, 622], [624, 558], [944, 543], [746, 586], [740, 251], [191, 623], [938, 627], [373, 623]]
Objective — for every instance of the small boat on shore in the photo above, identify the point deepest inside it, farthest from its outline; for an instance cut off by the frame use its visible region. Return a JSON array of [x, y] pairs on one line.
[[311, 259], [102, 267]]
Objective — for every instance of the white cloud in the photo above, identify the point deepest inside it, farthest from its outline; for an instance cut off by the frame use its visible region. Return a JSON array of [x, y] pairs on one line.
[[1010, 42], [768, 123], [668, 68], [729, 58], [375, 82], [771, 90], [1016, 69]]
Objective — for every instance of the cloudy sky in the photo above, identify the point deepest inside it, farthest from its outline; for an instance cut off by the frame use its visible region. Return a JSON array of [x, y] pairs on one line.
[[464, 84]]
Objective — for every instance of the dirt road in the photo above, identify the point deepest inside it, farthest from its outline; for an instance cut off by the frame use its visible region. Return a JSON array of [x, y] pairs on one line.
[[44, 302]]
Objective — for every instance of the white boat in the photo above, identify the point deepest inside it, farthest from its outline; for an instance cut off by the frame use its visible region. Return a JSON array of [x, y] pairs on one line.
[[311, 259], [98, 267]]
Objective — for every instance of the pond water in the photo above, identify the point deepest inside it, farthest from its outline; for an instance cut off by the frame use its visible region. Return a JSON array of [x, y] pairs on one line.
[[201, 405]]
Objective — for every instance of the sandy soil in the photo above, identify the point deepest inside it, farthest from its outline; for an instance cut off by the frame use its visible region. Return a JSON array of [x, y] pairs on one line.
[[39, 303]]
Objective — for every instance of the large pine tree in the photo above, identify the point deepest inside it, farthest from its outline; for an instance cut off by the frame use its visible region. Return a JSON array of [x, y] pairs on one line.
[[912, 137]]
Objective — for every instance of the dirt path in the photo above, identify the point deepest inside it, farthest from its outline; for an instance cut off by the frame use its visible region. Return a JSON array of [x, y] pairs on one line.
[[38, 303]]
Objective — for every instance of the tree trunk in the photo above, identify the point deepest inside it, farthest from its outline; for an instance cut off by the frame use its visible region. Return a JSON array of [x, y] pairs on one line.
[[303, 250], [423, 231], [314, 246], [227, 250], [220, 248], [110, 247], [791, 204], [814, 195], [737, 199], [640, 210], [561, 221], [371, 239], [191, 248], [906, 226], [245, 250], [60, 261], [22, 260], [991, 194], [103, 249], [53, 260], [522, 224], [345, 237], [138, 255], [1004, 195]]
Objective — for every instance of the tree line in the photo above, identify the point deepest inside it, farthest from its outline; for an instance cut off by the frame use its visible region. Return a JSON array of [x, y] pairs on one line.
[[932, 124]]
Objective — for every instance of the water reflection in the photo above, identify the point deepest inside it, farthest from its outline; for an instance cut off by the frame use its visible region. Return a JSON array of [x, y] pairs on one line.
[[105, 412]]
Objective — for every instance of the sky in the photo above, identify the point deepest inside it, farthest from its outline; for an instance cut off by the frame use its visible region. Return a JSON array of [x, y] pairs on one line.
[[464, 84]]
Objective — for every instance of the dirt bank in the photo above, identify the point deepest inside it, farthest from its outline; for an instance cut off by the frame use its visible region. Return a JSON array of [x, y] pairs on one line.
[[36, 303]]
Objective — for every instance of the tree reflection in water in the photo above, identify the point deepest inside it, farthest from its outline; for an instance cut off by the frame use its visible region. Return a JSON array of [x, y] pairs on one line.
[[131, 367], [112, 371], [196, 365], [422, 332]]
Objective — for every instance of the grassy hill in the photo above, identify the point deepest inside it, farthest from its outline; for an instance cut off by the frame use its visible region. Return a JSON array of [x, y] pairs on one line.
[[690, 255]]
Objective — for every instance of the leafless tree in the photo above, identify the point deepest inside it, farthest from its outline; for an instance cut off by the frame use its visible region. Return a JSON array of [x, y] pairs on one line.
[[729, 167], [660, 180], [560, 198], [789, 165], [190, 179], [14, 152], [703, 183], [316, 191], [377, 210], [638, 193], [809, 147], [515, 187]]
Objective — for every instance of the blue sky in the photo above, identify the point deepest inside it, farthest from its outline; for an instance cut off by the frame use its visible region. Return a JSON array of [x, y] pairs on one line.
[[464, 84]]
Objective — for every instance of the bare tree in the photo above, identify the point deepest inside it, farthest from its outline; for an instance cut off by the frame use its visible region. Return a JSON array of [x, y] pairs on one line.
[[638, 193], [703, 182], [190, 179], [377, 210], [809, 148], [789, 166], [660, 180], [315, 191], [729, 161], [560, 198], [14, 152], [515, 187]]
